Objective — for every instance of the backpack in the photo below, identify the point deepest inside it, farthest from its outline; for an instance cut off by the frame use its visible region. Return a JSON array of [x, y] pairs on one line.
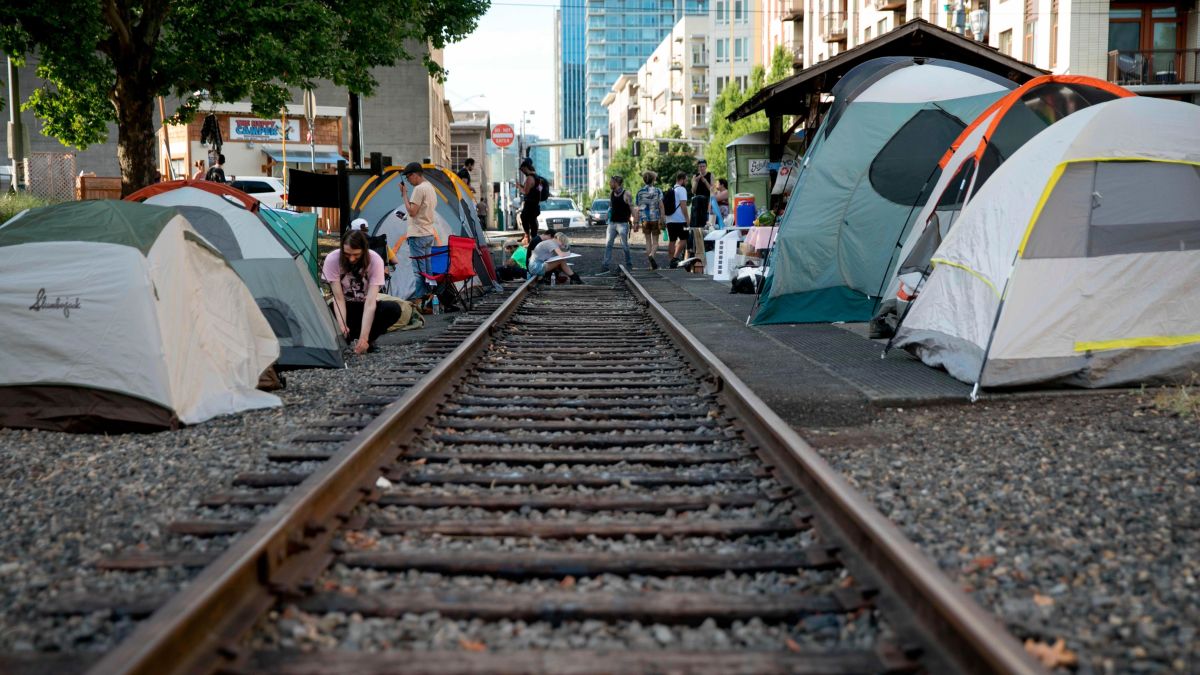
[[216, 174], [668, 200], [543, 187]]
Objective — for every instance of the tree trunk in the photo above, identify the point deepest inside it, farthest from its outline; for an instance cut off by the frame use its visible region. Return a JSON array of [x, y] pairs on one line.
[[136, 142]]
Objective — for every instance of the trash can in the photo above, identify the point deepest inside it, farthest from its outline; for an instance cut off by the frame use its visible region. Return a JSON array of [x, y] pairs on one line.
[[743, 209]]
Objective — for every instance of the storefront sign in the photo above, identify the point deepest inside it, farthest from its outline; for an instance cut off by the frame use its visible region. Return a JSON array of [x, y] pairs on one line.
[[255, 129]]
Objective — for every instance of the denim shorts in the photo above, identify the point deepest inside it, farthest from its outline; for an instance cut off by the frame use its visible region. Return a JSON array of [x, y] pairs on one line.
[[537, 267]]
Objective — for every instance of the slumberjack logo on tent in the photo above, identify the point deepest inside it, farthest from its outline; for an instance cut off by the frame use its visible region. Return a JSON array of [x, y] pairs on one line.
[[65, 304]]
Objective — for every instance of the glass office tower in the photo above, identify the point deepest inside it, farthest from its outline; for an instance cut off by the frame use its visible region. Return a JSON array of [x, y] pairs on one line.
[[599, 41]]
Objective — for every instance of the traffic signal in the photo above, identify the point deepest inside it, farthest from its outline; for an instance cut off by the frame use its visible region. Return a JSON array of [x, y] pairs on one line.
[[635, 148], [579, 149]]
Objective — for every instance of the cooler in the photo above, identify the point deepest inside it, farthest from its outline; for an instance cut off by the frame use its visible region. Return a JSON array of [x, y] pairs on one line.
[[744, 211]]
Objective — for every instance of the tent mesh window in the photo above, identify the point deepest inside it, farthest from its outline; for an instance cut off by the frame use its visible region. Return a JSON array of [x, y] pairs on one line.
[[904, 170]]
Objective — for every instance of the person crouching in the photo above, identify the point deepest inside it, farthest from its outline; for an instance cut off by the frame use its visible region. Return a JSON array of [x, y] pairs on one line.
[[355, 274], [552, 247]]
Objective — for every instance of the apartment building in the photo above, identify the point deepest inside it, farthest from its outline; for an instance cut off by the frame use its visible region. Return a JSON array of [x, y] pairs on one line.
[[782, 26], [1153, 48], [736, 42]]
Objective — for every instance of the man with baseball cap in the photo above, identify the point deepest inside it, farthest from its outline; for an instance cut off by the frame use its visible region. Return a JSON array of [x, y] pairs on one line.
[[420, 224]]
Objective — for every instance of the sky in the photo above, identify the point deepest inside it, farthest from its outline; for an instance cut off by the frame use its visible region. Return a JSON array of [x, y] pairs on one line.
[[507, 65]]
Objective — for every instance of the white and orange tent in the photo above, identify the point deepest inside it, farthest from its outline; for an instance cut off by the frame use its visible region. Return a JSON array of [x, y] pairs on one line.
[[1078, 262], [975, 155]]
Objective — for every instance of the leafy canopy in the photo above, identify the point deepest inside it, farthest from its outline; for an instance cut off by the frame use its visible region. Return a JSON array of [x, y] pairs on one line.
[[721, 130], [98, 55]]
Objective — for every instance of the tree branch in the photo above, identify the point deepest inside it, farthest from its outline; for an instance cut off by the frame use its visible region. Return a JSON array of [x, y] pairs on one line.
[[119, 23]]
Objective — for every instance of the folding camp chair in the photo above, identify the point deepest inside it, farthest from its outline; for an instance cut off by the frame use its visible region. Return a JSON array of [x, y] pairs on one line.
[[452, 265]]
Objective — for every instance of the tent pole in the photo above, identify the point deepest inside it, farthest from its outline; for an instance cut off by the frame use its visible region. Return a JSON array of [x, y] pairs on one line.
[[992, 334]]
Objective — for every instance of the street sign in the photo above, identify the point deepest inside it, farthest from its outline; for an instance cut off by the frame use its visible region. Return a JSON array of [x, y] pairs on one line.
[[502, 135]]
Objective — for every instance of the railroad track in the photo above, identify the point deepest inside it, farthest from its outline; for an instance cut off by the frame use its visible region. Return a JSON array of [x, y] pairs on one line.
[[578, 486]]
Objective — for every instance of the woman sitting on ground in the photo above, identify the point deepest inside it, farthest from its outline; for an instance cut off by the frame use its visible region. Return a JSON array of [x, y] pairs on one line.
[[553, 247], [355, 273]]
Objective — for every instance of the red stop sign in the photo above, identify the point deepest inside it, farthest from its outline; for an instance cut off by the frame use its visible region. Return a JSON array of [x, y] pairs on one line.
[[502, 135]]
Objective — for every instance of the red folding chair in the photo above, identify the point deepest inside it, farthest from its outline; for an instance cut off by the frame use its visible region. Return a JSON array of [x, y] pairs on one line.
[[458, 267]]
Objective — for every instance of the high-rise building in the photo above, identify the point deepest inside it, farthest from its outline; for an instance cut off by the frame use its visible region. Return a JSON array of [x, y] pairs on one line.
[[569, 106], [597, 42]]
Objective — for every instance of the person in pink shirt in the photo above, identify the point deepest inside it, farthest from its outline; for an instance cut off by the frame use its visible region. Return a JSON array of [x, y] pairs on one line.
[[355, 273]]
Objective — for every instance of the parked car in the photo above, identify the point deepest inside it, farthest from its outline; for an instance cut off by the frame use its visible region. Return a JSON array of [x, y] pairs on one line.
[[598, 214], [266, 189], [560, 212]]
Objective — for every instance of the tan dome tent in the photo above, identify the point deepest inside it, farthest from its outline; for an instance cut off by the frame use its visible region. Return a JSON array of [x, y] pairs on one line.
[[1078, 262], [118, 316]]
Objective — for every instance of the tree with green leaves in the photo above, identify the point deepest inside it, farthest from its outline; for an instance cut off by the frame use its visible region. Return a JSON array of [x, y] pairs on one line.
[[721, 130], [107, 60]]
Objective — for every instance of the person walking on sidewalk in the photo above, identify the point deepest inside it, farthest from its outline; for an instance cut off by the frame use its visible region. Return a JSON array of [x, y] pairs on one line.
[[677, 219], [420, 224], [650, 207], [702, 189], [531, 202], [621, 216]]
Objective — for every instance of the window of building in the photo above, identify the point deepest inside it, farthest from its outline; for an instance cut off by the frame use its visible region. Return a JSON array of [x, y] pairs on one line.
[[722, 50], [881, 27], [867, 34], [722, 16], [699, 84], [742, 50], [1053, 33], [740, 15], [744, 82], [699, 55], [699, 115], [1006, 42], [1030, 29], [458, 154], [722, 82]]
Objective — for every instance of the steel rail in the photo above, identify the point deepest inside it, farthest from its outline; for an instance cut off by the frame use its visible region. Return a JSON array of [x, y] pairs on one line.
[[968, 638], [196, 630]]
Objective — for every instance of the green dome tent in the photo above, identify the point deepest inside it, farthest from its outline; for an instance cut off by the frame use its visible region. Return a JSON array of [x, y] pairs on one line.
[[868, 169]]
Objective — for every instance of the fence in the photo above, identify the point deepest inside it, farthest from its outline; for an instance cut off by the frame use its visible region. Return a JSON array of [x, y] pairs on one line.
[[97, 187], [51, 175]]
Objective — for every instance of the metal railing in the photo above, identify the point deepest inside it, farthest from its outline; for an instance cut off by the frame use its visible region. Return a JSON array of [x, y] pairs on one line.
[[1154, 66], [833, 26]]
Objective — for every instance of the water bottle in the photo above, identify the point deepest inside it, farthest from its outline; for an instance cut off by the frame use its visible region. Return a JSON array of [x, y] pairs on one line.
[[437, 305], [553, 279]]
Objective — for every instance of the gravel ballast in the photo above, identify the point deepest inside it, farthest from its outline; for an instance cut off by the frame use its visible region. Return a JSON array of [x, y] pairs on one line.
[[71, 499], [1072, 517]]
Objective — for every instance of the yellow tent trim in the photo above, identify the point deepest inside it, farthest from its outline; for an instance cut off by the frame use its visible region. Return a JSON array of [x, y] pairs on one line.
[[1037, 211], [358, 200], [1134, 343], [385, 180], [1058, 172], [968, 270]]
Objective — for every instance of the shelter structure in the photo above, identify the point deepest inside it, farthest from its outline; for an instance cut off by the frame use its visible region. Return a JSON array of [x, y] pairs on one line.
[[1078, 262], [379, 202], [801, 96], [976, 154], [868, 168], [276, 275], [127, 321]]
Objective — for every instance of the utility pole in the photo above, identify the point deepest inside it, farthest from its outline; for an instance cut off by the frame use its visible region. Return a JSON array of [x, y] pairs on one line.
[[16, 130]]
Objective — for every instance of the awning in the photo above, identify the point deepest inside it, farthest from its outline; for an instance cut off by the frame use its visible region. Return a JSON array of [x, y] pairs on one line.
[[300, 153]]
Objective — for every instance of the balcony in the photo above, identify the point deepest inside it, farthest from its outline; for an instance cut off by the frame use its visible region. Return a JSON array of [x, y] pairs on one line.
[[1154, 66], [699, 92], [833, 27], [676, 65], [889, 4]]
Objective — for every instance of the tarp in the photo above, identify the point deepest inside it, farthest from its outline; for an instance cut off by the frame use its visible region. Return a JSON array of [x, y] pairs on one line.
[[119, 316], [299, 232], [870, 166], [1079, 261]]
